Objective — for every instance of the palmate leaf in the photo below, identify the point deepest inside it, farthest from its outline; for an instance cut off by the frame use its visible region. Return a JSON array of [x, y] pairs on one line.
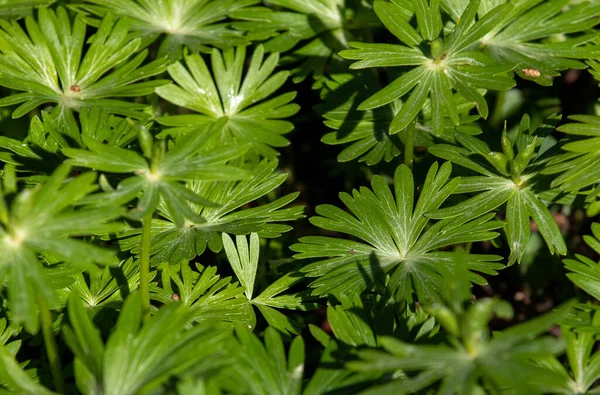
[[107, 288], [244, 102], [49, 64], [542, 38], [583, 368], [194, 24], [173, 243], [212, 298], [511, 177], [209, 297], [366, 133], [243, 257], [397, 240], [40, 151], [49, 134], [309, 31], [472, 359], [109, 129], [438, 65], [140, 357], [157, 176], [38, 222]]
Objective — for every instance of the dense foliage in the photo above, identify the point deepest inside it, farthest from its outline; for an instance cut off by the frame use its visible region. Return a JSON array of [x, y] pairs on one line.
[[159, 158]]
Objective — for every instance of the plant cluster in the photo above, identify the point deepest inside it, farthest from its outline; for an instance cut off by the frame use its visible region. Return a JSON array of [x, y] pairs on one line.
[[152, 155]]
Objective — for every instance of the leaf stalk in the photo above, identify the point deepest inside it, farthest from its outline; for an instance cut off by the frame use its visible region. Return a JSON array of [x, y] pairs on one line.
[[51, 347], [145, 266], [409, 144]]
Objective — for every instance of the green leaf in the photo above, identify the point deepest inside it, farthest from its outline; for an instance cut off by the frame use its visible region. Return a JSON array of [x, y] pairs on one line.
[[264, 369], [584, 272], [142, 351], [517, 227], [546, 223], [577, 165], [523, 38], [196, 24], [11, 9], [270, 299], [209, 297], [374, 55], [243, 259], [582, 360], [23, 275], [349, 324], [49, 62], [250, 114], [279, 321], [367, 132], [524, 191], [52, 132], [39, 222], [16, 378], [172, 242], [429, 19], [413, 105], [461, 38], [105, 158], [458, 367], [85, 341], [108, 288], [394, 19], [331, 376], [159, 180], [397, 241], [436, 72], [310, 32]]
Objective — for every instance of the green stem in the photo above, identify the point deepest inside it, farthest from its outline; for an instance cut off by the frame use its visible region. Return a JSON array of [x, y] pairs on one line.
[[468, 247], [145, 266], [496, 118], [51, 347], [409, 144]]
